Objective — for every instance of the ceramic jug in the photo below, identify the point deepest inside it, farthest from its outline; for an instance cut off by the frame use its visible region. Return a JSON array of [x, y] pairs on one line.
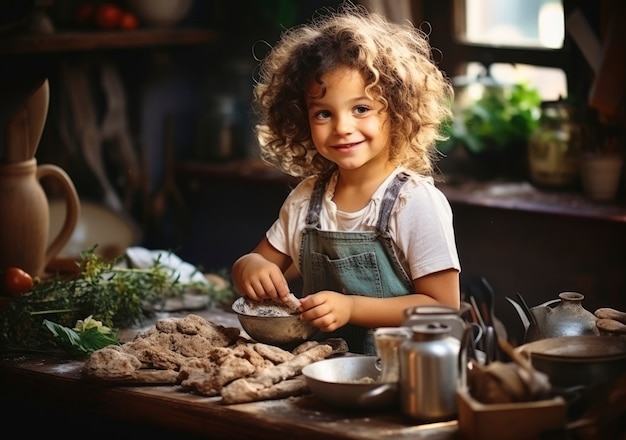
[[25, 218], [564, 316]]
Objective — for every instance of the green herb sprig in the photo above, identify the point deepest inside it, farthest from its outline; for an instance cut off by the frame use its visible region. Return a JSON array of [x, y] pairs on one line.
[[117, 296]]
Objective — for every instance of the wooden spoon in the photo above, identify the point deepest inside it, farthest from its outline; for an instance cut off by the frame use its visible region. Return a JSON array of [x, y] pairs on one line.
[[37, 109], [24, 129]]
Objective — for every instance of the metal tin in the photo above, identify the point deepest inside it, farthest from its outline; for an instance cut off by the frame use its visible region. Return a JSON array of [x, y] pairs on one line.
[[429, 373]]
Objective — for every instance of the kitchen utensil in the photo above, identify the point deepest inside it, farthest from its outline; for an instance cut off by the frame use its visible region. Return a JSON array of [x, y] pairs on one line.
[[37, 108], [160, 13], [522, 309], [481, 295], [558, 317], [435, 313], [388, 341], [429, 373], [479, 288], [578, 360], [24, 129], [350, 382], [283, 331], [97, 224], [487, 342], [24, 222]]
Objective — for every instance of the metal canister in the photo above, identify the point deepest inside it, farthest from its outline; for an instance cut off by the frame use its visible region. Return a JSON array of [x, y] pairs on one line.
[[429, 373]]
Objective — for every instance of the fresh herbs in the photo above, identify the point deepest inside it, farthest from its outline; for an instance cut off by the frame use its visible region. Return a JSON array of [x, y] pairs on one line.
[[501, 118], [102, 290], [88, 336]]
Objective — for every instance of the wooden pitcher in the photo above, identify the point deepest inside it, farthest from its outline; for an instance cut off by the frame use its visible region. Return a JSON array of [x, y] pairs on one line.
[[25, 217]]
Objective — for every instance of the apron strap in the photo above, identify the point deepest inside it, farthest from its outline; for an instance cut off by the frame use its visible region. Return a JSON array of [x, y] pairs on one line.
[[389, 199], [315, 204]]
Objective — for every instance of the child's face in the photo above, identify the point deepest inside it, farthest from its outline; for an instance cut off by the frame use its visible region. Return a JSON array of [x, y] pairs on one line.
[[347, 127]]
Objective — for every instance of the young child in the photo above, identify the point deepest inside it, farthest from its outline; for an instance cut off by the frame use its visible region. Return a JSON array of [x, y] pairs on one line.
[[353, 104]]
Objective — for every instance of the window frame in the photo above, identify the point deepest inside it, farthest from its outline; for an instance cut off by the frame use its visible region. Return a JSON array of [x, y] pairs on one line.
[[444, 21]]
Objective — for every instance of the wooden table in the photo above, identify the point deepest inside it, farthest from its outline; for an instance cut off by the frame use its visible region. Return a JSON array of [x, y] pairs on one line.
[[54, 397]]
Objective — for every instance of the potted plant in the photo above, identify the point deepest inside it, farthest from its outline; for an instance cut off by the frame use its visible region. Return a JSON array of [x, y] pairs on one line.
[[495, 128]]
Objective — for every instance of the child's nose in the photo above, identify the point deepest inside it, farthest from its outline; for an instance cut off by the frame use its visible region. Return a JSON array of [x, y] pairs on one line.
[[344, 125]]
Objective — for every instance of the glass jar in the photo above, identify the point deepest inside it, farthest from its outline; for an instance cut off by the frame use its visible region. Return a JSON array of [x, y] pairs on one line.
[[555, 145]]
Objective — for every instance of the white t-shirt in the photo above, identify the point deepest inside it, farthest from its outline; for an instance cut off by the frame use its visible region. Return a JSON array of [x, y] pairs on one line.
[[420, 224]]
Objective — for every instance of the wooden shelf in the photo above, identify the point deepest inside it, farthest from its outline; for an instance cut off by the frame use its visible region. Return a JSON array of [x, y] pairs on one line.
[[98, 40], [516, 196], [523, 196], [251, 170]]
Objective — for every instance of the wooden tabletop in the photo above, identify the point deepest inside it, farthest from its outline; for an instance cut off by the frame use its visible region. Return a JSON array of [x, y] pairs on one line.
[[58, 383]]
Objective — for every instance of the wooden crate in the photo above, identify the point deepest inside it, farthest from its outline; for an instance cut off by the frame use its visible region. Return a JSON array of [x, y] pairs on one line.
[[511, 421]]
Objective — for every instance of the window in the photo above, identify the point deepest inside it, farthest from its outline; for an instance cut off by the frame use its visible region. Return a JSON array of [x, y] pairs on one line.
[[531, 23], [519, 23], [512, 41]]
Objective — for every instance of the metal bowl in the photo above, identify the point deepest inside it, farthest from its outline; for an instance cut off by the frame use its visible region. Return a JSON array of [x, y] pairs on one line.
[[340, 382], [283, 331], [578, 360]]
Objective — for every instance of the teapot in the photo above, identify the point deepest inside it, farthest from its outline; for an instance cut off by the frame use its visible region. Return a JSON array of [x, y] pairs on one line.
[[564, 316]]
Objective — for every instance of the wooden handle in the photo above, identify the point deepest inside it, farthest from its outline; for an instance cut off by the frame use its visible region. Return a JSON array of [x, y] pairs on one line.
[[37, 111]]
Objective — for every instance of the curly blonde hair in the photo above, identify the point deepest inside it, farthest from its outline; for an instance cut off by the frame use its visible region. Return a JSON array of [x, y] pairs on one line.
[[396, 63]]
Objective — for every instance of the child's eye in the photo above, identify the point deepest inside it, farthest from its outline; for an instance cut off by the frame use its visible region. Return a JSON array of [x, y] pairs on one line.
[[361, 109], [324, 114]]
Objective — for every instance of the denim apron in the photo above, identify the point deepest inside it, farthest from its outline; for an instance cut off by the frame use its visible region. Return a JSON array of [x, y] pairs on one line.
[[354, 263]]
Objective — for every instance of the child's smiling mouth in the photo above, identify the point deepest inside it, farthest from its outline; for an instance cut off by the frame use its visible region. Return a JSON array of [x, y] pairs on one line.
[[347, 147]]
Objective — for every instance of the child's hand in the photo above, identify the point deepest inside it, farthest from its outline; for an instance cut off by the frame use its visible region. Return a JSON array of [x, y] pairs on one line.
[[327, 310], [259, 279]]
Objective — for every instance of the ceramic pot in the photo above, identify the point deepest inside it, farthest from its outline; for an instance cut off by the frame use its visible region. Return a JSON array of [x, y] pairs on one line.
[[24, 223], [567, 318], [160, 13], [578, 360], [600, 176]]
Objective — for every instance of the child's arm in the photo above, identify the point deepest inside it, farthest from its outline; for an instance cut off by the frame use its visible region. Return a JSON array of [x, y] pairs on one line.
[[330, 310], [260, 274]]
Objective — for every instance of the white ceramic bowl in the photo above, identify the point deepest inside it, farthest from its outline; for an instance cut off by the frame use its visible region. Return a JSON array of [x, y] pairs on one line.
[[160, 13], [97, 225]]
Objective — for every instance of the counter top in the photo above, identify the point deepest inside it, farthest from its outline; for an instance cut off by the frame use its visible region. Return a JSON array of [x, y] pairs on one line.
[[51, 380]]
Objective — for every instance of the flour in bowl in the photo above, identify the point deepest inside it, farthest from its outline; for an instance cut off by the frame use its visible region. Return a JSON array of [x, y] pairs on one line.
[[267, 307]]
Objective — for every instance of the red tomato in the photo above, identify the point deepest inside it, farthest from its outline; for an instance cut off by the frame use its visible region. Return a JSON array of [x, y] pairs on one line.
[[16, 281], [108, 16], [128, 21]]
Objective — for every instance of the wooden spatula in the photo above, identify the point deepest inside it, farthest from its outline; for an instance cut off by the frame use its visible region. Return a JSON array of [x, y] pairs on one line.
[[24, 129]]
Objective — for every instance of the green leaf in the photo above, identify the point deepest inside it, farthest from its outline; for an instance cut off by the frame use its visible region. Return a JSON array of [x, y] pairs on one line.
[[500, 119], [81, 343], [65, 336], [92, 340]]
